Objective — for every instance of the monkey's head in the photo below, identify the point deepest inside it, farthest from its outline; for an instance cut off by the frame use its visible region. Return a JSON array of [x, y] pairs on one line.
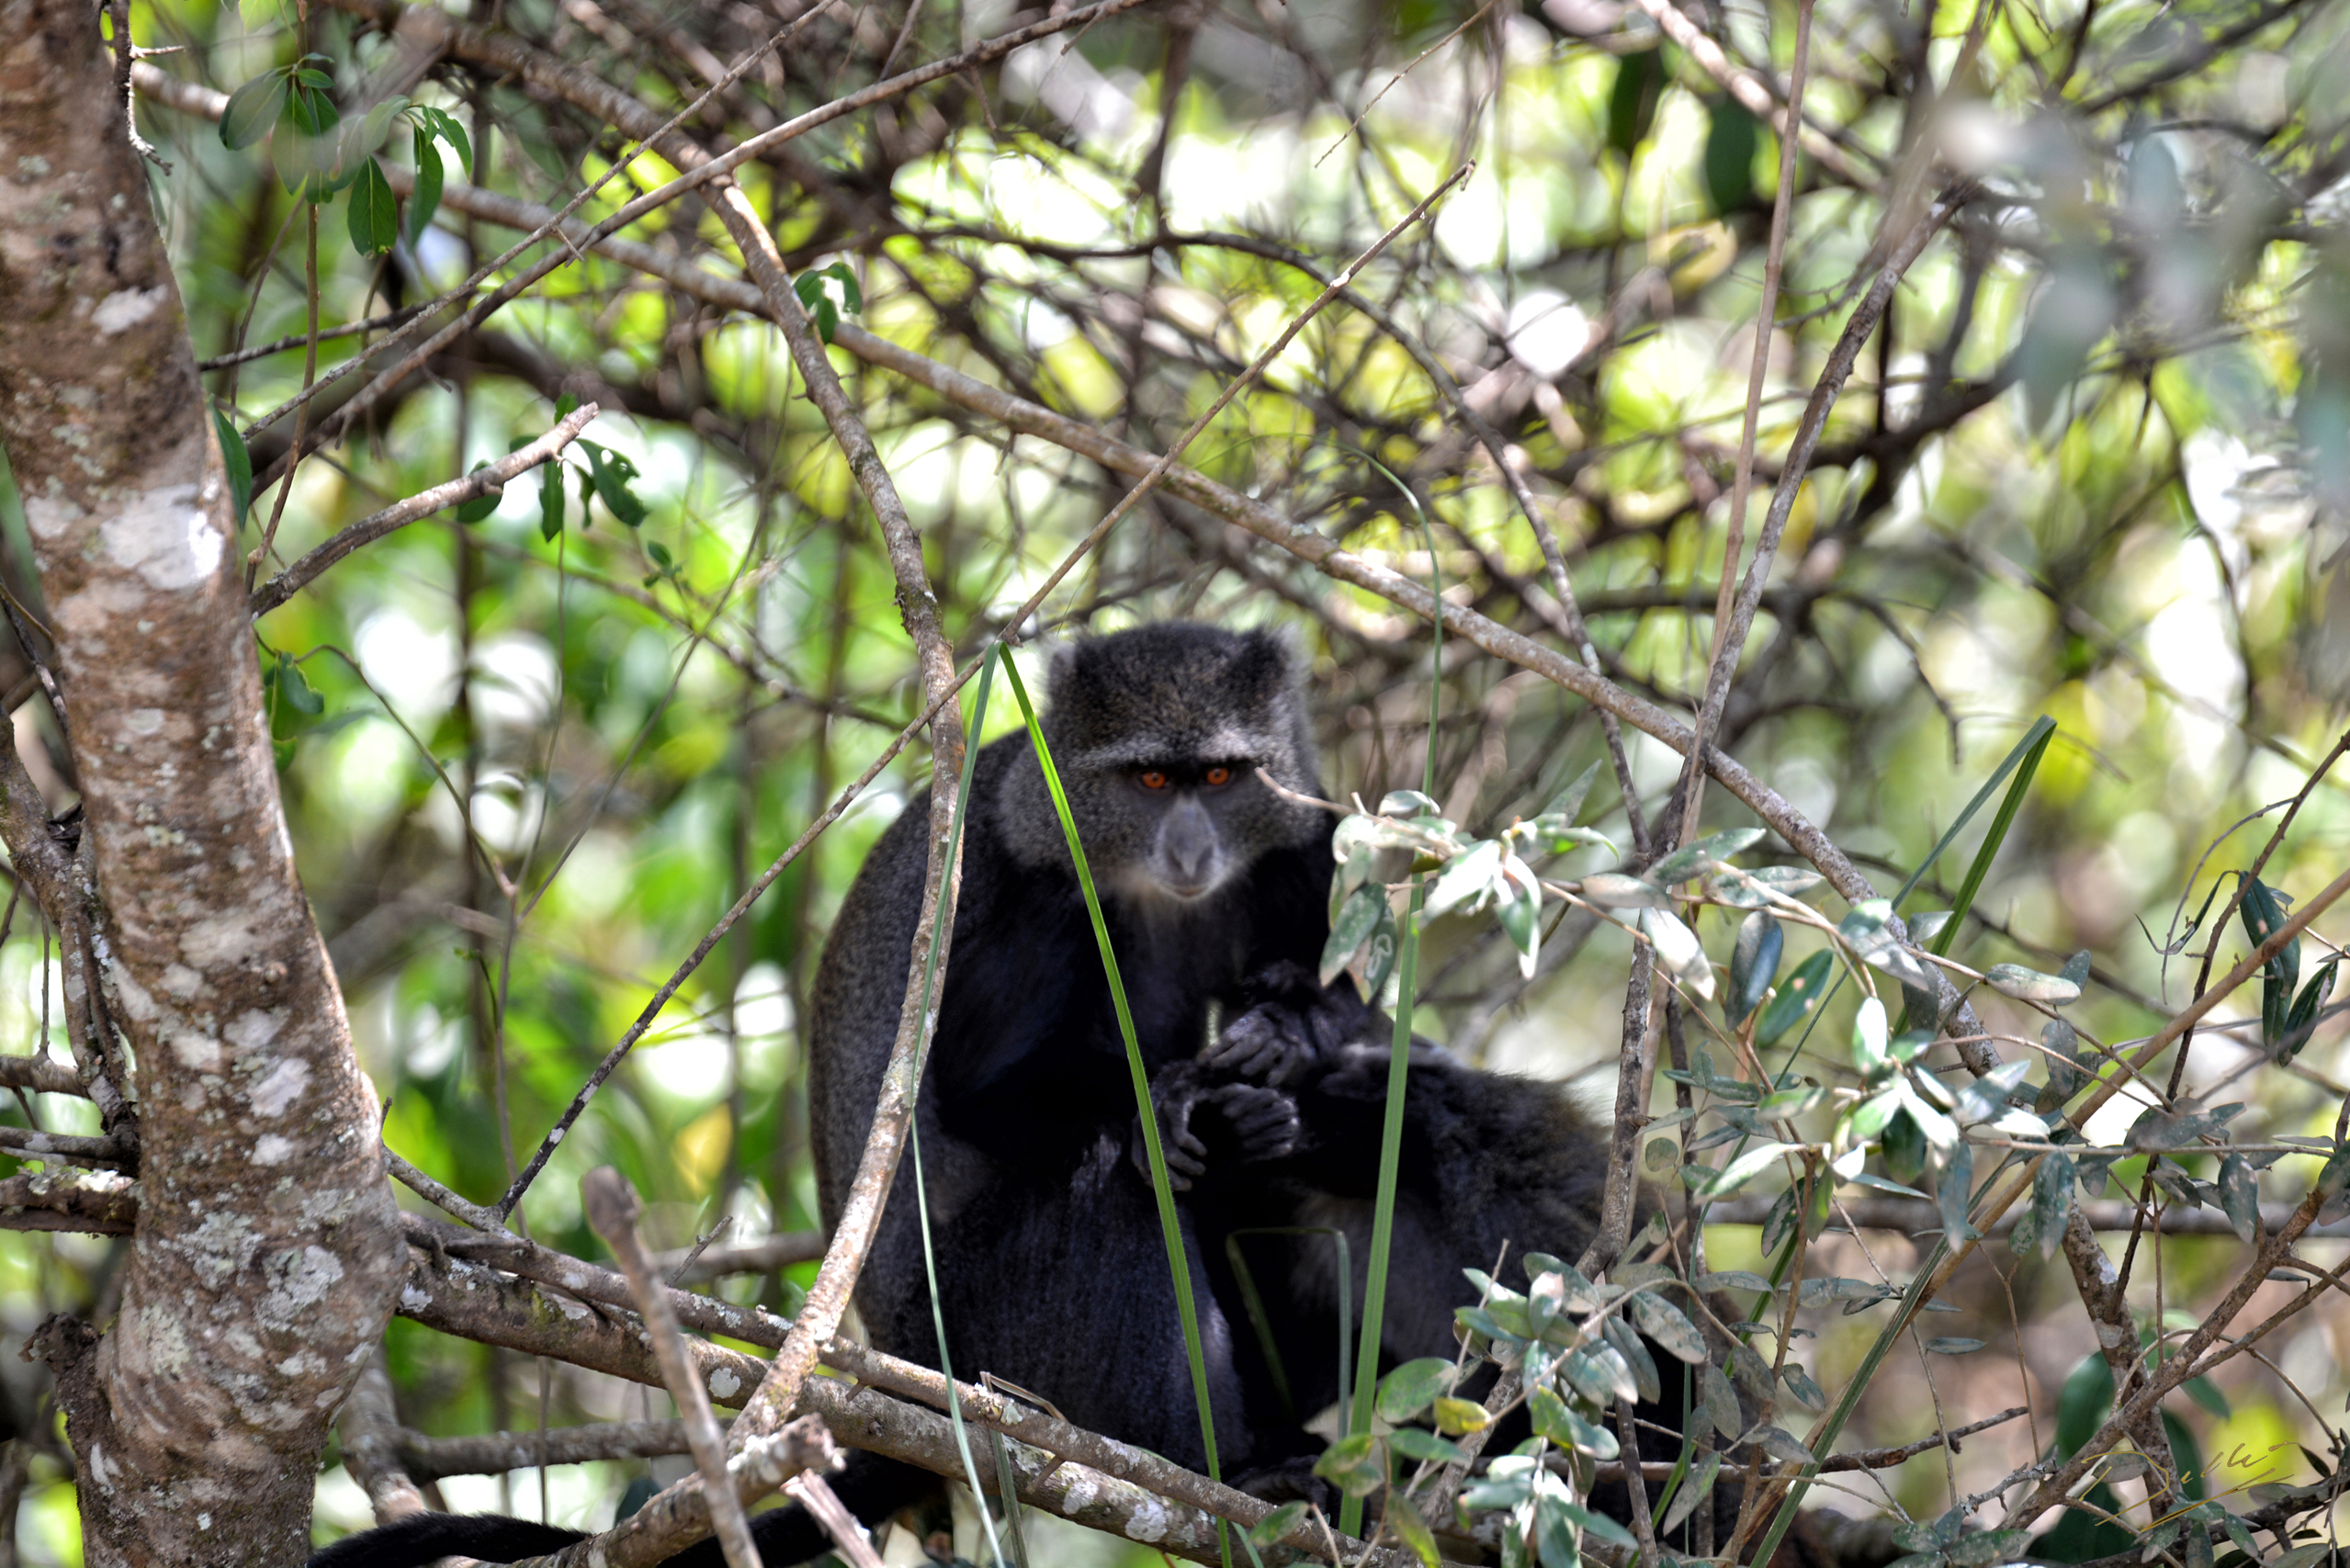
[[1159, 734]]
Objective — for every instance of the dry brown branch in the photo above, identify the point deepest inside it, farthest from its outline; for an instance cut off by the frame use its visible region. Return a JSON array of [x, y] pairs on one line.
[[612, 1208], [56, 1203], [372, 1436], [42, 1075], [493, 1453], [110, 1153], [1138, 1496], [777, 1251]]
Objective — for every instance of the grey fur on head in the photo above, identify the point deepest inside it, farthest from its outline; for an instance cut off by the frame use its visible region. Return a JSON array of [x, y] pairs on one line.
[[1169, 695]]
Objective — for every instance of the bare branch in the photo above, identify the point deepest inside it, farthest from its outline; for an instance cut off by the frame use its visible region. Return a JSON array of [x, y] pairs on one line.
[[489, 480]]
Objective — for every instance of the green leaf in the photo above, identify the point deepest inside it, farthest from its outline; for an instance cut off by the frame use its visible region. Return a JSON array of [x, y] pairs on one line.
[[1277, 1524], [1797, 996], [237, 461], [2302, 1021], [550, 500], [1420, 1443], [1407, 1390], [1754, 962], [1599, 1525], [294, 689], [2051, 1201], [2082, 1404], [1952, 1345], [373, 214], [251, 109], [481, 506], [1412, 1530], [1730, 142], [1456, 1417], [1356, 1465], [610, 473], [1632, 102], [425, 197], [1804, 1391], [1469, 881], [816, 299]]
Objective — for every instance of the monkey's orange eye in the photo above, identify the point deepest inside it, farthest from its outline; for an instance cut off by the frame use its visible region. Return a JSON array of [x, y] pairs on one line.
[[1154, 779], [1219, 775]]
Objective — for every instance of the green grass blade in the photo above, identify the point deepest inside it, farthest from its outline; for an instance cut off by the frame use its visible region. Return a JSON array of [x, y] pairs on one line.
[[2029, 751], [1170, 1228], [1391, 1135], [914, 1136]]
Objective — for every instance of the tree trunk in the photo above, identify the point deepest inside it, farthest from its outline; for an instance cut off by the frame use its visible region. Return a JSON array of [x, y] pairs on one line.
[[267, 1254]]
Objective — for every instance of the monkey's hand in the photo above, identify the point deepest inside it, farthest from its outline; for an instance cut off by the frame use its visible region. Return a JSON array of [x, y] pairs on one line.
[[1205, 1123], [1290, 1028], [1174, 1096]]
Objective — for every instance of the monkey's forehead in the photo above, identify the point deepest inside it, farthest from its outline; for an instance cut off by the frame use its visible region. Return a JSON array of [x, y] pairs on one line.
[[1134, 747]]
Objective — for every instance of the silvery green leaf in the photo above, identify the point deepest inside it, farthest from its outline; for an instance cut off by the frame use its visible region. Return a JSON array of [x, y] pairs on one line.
[[1940, 1130], [1358, 917], [1570, 801], [1781, 1444], [1743, 1170], [2031, 984], [1987, 1096], [1663, 1323], [1736, 1279], [2018, 1122], [1952, 1345], [1804, 1390], [1615, 889], [1899, 963], [1471, 881], [1693, 1491], [1678, 951], [1754, 962], [1682, 865], [2240, 1197], [1408, 802], [1520, 914], [1925, 926], [1720, 1403], [1869, 1038]]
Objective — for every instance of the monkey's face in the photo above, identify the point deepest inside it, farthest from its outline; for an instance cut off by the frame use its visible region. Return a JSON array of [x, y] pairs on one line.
[[1188, 851], [1159, 735]]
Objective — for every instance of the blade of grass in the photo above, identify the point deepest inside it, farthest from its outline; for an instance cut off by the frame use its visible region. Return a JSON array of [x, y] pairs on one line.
[[1254, 1304], [1170, 1227], [921, 1187], [1391, 1135]]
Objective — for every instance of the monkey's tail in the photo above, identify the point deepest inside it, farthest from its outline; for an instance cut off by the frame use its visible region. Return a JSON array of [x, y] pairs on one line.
[[870, 1486]]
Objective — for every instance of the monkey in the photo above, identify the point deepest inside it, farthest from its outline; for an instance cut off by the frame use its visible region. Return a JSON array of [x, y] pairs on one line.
[[1049, 1255]]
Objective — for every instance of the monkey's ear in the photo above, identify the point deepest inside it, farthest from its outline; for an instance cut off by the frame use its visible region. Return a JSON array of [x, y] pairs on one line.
[[1060, 672]]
